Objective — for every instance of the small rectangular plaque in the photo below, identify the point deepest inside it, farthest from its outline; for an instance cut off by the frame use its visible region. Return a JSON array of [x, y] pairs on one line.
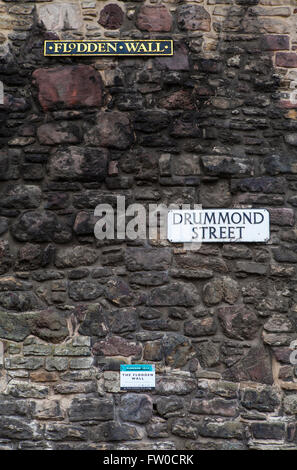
[[218, 225], [137, 376], [114, 47]]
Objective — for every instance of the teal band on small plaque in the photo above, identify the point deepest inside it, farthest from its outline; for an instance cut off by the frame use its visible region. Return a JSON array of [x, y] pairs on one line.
[[137, 367], [147, 47]]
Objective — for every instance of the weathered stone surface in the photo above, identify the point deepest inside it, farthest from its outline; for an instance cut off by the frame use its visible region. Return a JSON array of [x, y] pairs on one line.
[[186, 165], [47, 410], [201, 327], [49, 325], [175, 294], [220, 289], [13, 326], [193, 18], [20, 389], [17, 428], [290, 404], [92, 320], [268, 430], [224, 389], [112, 129], [178, 62], [266, 399], [255, 366], [120, 293], [111, 16], [21, 197], [77, 256], [77, 163], [177, 350], [184, 427], [122, 320], [215, 194], [19, 301], [60, 17], [157, 429], [139, 259], [286, 59], [30, 363], [3, 225], [34, 347], [31, 257], [274, 42], [84, 290], [137, 408], [37, 226], [222, 166], [278, 323], [186, 126], [84, 223], [114, 431], [284, 255], [59, 432], [174, 385], [59, 133], [8, 283], [208, 353], [250, 267], [56, 364], [221, 430], [91, 409], [181, 99], [10, 406], [116, 346], [153, 351], [72, 349], [238, 322], [5, 257], [216, 406], [283, 216], [152, 278], [154, 18], [169, 405], [151, 121], [57, 201], [263, 184], [68, 87]]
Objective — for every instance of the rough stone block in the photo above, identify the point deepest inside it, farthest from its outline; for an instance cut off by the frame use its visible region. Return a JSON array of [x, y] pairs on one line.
[[286, 59], [60, 17], [193, 18], [69, 87], [154, 18], [91, 409], [79, 163], [137, 408]]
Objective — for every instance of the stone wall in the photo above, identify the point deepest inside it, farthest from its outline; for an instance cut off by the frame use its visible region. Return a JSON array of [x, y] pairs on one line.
[[215, 124]]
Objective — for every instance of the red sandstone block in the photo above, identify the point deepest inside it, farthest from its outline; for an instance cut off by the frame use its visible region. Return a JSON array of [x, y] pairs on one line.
[[68, 87], [276, 42], [154, 18], [286, 59]]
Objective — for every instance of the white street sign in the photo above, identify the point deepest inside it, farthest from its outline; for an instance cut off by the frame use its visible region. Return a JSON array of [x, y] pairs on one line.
[[218, 225]]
